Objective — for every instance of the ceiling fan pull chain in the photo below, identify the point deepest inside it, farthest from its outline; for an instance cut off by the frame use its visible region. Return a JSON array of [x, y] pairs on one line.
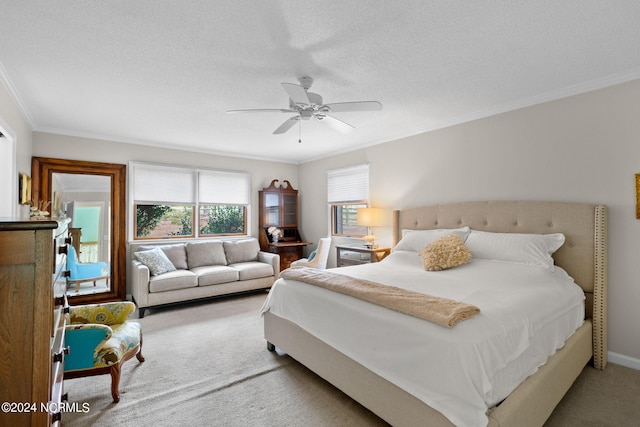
[[299, 132]]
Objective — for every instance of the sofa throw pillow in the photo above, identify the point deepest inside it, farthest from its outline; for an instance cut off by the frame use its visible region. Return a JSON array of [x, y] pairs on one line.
[[156, 260], [242, 250], [414, 240], [201, 254], [177, 254], [443, 253]]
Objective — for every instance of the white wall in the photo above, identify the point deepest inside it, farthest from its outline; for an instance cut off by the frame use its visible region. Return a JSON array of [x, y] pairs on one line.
[[17, 128], [8, 193], [584, 148], [76, 148]]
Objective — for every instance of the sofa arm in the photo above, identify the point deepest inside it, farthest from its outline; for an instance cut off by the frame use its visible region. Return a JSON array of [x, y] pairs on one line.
[[140, 277], [273, 259]]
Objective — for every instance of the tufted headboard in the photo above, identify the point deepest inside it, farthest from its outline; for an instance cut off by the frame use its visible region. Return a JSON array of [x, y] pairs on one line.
[[583, 255]]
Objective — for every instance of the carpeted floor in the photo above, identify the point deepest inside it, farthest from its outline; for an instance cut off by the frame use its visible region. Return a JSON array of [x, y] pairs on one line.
[[207, 365]]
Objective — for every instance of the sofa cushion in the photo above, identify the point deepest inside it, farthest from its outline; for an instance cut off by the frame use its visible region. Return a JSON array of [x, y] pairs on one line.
[[177, 254], [156, 260], [253, 270], [215, 274], [205, 253], [242, 250], [179, 279]]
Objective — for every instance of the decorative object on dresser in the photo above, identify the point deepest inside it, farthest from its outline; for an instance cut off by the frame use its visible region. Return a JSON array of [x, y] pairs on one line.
[[101, 339], [32, 305], [278, 206], [358, 254]]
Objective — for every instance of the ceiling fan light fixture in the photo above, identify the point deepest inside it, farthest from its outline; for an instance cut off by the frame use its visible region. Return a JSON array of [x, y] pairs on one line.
[[308, 104]]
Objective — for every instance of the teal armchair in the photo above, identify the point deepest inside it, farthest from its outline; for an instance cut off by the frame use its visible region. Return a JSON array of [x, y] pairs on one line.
[[84, 272], [100, 340]]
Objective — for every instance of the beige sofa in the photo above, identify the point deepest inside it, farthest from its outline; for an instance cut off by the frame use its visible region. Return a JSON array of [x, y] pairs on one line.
[[171, 273]]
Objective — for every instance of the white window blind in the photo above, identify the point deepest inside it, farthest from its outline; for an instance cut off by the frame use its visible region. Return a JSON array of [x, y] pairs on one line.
[[349, 184], [163, 184], [221, 187]]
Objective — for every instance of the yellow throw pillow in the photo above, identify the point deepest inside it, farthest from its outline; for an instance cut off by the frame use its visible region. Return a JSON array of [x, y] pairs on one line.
[[446, 252]]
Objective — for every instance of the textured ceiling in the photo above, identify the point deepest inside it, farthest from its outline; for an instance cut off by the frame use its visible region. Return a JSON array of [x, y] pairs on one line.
[[164, 72]]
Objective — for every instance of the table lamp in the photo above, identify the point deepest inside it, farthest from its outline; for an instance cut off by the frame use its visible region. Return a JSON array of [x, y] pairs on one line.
[[369, 217]]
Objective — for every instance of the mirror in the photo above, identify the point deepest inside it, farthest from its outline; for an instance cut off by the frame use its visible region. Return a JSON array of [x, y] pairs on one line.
[[92, 196]]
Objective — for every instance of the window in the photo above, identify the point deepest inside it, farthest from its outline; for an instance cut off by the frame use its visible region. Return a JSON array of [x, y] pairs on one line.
[[169, 200], [162, 221], [215, 220], [343, 221], [347, 190]]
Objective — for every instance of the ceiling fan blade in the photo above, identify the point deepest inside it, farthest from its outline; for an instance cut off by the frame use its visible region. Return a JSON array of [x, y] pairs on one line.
[[262, 110], [340, 107], [297, 93], [286, 125], [335, 124]]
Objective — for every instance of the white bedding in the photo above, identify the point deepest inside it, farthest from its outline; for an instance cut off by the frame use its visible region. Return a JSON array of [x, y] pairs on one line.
[[527, 313]]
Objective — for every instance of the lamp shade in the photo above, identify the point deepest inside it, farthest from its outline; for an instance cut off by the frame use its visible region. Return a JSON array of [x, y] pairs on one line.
[[370, 217]]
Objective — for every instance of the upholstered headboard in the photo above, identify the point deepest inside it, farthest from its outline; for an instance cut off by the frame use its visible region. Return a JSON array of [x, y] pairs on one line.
[[583, 255]]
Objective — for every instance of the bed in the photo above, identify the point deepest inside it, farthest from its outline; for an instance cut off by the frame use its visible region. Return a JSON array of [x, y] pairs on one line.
[[583, 256]]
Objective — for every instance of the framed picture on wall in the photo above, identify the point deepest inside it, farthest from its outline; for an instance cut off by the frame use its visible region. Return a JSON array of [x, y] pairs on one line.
[[24, 189], [638, 195]]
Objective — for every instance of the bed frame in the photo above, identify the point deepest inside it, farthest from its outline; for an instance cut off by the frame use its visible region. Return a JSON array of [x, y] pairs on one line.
[[583, 256]]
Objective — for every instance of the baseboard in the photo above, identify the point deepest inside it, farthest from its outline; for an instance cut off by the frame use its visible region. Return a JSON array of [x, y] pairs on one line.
[[621, 359]]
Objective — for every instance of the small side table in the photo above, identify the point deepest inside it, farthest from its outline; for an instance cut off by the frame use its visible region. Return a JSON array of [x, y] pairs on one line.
[[359, 254]]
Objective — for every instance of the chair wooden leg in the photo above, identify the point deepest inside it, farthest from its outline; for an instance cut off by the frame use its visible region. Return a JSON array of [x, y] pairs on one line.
[[139, 355], [115, 381]]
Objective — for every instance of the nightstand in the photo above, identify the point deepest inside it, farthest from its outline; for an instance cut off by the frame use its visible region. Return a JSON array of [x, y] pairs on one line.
[[359, 254]]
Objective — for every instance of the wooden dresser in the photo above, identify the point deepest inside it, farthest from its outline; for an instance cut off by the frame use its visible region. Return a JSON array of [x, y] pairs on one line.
[[32, 321]]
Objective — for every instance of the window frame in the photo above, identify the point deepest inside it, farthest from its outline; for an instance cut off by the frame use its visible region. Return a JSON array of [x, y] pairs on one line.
[[199, 175], [334, 215], [347, 186]]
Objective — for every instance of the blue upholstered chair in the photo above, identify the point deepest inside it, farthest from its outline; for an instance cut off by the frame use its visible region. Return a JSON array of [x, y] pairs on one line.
[[84, 272], [100, 340]]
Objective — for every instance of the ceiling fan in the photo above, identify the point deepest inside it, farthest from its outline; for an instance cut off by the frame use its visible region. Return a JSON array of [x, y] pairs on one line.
[[305, 105]]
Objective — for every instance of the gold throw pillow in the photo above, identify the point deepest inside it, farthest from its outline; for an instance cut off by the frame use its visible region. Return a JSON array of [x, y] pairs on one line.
[[446, 252]]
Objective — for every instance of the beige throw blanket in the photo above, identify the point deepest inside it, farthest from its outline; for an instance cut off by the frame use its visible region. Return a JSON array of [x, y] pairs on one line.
[[439, 310]]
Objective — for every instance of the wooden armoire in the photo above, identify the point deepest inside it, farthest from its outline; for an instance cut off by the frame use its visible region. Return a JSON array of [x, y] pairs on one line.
[[278, 205]]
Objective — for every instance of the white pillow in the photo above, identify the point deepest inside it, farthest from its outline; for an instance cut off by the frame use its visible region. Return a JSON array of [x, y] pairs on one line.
[[414, 240], [156, 260], [529, 249]]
